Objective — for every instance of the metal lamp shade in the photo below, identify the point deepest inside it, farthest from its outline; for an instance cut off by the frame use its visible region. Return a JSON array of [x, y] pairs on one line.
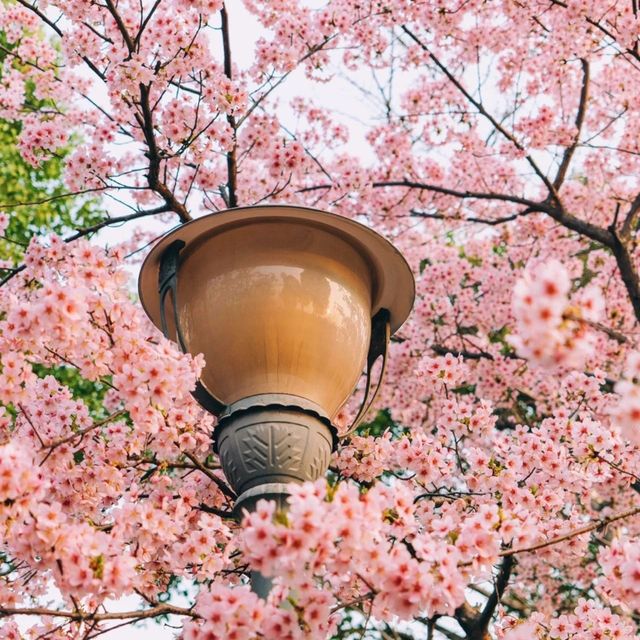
[[276, 306], [279, 300]]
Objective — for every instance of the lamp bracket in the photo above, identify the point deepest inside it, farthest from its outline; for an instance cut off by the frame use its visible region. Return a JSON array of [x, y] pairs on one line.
[[168, 284], [378, 347]]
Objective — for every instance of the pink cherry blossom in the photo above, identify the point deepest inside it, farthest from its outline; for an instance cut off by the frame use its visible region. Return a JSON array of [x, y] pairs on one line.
[[496, 144]]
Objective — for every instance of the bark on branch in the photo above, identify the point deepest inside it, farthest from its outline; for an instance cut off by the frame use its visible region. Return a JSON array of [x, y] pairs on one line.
[[488, 221], [582, 109], [232, 160], [593, 526], [475, 622], [628, 273], [85, 616]]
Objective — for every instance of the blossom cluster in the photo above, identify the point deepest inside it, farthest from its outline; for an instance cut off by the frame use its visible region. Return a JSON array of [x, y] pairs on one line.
[[588, 620], [239, 614], [501, 158], [337, 533], [552, 329]]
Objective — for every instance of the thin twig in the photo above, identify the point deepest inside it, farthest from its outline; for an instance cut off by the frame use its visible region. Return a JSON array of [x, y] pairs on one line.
[[82, 616], [596, 524], [222, 485], [612, 333], [82, 432], [582, 108]]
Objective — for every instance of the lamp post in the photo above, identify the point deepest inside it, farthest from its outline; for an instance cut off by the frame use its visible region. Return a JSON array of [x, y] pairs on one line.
[[288, 305]]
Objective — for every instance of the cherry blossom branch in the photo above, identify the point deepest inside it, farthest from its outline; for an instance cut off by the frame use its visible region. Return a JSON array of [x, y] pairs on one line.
[[543, 207], [627, 268], [61, 196], [593, 526], [82, 432], [612, 333], [629, 222], [474, 622], [232, 161], [145, 22], [222, 485], [510, 602], [145, 121], [117, 220], [14, 271], [595, 23], [500, 584], [582, 109], [59, 32], [82, 616], [487, 221], [481, 109], [53, 352], [222, 513], [616, 466], [261, 98], [558, 213], [128, 40], [352, 603], [588, 229], [450, 635], [441, 350], [89, 230], [28, 418]]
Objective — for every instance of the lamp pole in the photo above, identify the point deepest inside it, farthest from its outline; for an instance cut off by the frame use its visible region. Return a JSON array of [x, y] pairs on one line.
[[288, 305]]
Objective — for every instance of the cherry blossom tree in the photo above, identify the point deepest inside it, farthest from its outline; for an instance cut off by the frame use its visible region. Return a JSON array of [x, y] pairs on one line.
[[495, 492]]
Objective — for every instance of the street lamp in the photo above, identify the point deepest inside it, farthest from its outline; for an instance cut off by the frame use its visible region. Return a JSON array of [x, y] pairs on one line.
[[288, 305]]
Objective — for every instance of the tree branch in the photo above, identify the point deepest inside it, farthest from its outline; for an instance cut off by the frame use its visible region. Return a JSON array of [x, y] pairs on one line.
[[109, 221], [59, 32], [627, 269], [145, 122], [587, 229], [61, 196], [128, 40], [612, 333], [222, 485], [232, 161], [629, 221], [597, 524], [82, 616], [89, 230], [79, 434], [487, 221], [145, 22], [558, 213], [543, 207], [632, 52], [441, 350], [500, 584], [222, 513], [450, 635], [582, 108], [480, 107]]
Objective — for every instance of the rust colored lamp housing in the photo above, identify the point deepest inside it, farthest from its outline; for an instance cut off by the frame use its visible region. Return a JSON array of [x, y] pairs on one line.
[[288, 305]]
